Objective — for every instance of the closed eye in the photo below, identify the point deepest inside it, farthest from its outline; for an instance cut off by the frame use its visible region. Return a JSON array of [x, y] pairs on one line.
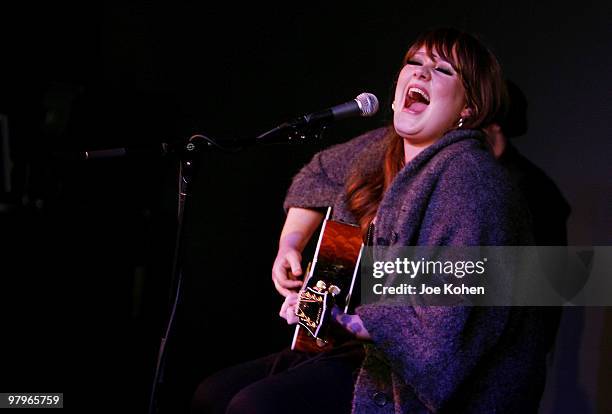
[[414, 62], [445, 71]]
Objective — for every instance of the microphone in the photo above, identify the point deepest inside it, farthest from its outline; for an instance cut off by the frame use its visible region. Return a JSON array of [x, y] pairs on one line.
[[365, 104]]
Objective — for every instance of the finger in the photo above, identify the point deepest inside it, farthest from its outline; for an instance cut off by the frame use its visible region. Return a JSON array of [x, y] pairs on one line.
[[291, 316], [283, 285], [294, 259], [283, 263], [283, 310], [285, 278], [281, 281], [290, 284], [292, 298], [283, 291], [290, 302]]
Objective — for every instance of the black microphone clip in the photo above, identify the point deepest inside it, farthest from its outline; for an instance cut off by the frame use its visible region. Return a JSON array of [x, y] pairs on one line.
[[313, 125], [297, 130]]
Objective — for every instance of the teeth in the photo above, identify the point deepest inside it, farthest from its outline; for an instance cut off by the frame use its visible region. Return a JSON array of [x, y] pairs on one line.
[[420, 92]]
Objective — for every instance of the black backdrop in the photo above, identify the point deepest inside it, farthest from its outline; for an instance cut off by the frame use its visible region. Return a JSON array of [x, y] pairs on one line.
[[88, 246]]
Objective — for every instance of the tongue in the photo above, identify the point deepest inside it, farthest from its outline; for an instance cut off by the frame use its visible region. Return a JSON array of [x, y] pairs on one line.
[[417, 107]]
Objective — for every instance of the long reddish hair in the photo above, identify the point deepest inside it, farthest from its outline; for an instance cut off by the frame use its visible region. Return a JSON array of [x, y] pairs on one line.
[[481, 75]]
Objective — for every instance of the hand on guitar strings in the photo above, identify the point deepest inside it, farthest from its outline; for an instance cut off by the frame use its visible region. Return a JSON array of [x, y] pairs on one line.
[[351, 323], [288, 307], [285, 271]]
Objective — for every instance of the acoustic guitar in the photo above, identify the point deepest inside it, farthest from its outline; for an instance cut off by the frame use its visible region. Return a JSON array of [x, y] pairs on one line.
[[330, 279]]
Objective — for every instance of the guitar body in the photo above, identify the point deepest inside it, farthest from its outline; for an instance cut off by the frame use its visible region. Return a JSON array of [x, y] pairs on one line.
[[330, 280]]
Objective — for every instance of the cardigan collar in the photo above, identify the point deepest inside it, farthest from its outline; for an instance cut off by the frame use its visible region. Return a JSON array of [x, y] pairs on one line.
[[447, 139], [390, 199]]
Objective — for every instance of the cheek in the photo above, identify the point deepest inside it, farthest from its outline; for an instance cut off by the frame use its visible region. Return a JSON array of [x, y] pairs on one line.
[[452, 90], [402, 80]]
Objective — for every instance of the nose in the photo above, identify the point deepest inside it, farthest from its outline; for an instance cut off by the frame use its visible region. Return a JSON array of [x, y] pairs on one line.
[[422, 72]]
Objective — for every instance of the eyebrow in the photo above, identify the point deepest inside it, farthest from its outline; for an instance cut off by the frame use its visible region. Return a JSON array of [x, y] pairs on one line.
[[435, 56], [425, 53]]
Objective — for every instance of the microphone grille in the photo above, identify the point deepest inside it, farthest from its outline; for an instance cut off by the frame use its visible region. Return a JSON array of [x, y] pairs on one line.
[[368, 103]]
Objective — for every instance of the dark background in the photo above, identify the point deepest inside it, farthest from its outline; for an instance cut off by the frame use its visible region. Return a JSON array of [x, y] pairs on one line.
[[87, 246]]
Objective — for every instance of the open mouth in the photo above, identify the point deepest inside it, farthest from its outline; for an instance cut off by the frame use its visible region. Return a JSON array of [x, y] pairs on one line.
[[417, 99]]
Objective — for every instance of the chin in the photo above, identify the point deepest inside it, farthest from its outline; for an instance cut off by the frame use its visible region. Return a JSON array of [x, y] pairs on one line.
[[410, 136], [407, 131]]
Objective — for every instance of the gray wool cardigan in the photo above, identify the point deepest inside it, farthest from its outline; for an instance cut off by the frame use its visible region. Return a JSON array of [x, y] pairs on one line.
[[437, 359]]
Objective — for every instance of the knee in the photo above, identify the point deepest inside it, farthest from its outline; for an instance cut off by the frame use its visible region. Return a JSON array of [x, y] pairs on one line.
[[252, 400], [208, 398]]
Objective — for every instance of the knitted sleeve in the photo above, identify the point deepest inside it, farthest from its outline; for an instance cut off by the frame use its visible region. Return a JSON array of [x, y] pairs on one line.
[[435, 348], [318, 183]]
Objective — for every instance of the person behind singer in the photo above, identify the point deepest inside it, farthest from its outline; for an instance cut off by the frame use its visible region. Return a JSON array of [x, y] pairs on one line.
[[548, 207], [427, 179]]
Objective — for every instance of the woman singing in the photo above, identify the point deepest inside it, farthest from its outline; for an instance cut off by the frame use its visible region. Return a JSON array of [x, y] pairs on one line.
[[426, 180]]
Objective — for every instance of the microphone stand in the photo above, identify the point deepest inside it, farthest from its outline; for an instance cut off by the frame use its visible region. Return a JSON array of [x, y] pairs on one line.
[[188, 156]]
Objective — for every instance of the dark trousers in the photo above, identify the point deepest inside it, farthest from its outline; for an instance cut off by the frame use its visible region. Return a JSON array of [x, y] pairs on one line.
[[284, 382]]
